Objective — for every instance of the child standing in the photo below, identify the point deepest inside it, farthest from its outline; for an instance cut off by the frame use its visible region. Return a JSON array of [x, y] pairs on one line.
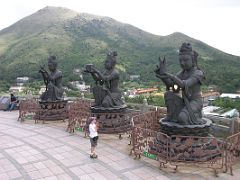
[[93, 134]]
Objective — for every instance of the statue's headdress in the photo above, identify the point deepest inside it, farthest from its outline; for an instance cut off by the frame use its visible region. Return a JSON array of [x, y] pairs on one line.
[[186, 48], [112, 56], [52, 59]]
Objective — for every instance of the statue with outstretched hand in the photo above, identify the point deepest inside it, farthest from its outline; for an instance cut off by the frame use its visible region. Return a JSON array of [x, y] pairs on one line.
[[183, 95]]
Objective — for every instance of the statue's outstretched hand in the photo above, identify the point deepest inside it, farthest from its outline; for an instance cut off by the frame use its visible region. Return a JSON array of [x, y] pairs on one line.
[[162, 66], [42, 69]]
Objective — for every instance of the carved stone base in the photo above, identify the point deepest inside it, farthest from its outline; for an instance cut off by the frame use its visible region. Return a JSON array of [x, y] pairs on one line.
[[188, 148], [171, 128], [117, 109], [113, 122], [56, 110]]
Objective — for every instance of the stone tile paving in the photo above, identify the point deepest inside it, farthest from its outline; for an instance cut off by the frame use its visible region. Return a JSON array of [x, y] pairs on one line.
[[47, 151]]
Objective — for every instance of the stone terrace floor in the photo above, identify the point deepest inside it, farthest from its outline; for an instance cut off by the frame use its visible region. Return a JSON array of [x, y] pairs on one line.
[[47, 151]]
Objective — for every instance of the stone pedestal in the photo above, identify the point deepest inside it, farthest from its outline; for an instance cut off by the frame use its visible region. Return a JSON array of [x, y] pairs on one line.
[[112, 120], [188, 143], [171, 128], [117, 109], [49, 111]]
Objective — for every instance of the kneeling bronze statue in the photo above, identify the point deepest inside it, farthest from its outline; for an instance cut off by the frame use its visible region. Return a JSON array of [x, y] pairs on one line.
[[52, 104], [53, 81], [106, 91], [184, 108]]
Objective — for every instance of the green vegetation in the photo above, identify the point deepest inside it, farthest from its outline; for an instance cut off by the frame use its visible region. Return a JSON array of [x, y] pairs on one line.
[[32, 87], [151, 100], [156, 101], [227, 103], [72, 93], [4, 86], [79, 39]]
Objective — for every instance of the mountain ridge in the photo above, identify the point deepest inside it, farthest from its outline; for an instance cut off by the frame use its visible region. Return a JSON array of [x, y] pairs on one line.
[[81, 38]]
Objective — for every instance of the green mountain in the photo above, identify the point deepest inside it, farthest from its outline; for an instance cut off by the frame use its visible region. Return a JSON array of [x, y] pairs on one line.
[[80, 38]]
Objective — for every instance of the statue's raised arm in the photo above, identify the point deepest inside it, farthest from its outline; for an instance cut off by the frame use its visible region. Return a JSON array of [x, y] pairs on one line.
[[161, 73], [89, 68], [45, 75]]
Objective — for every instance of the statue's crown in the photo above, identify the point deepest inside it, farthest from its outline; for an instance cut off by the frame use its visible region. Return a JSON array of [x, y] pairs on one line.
[[112, 55], [52, 59], [186, 48]]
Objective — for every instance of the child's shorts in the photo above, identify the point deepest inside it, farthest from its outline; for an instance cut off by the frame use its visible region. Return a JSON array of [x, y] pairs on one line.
[[94, 141]]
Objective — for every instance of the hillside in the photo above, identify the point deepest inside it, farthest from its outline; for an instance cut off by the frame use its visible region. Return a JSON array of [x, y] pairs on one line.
[[80, 38]]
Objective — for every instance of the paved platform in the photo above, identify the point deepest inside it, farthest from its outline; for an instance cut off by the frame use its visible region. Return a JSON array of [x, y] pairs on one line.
[[47, 151]]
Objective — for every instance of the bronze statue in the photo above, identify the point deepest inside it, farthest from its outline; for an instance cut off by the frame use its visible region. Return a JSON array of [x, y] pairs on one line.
[[53, 81], [106, 92], [183, 96]]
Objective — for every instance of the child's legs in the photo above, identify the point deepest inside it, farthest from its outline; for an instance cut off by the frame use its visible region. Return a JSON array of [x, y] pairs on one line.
[[93, 146], [92, 150]]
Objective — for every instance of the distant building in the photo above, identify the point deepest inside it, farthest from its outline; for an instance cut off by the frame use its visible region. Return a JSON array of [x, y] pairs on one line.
[[22, 80], [136, 92], [210, 110], [134, 77], [16, 89], [80, 86], [229, 95], [77, 71], [220, 112], [144, 91], [212, 88], [209, 96]]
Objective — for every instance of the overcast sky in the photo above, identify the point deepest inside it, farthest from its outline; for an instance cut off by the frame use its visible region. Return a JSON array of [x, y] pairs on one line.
[[215, 22]]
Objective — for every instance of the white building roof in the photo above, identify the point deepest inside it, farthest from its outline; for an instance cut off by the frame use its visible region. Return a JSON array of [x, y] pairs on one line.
[[233, 96]]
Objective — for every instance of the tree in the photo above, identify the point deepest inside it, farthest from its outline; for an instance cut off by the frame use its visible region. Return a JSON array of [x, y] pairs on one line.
[[4, 86]]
